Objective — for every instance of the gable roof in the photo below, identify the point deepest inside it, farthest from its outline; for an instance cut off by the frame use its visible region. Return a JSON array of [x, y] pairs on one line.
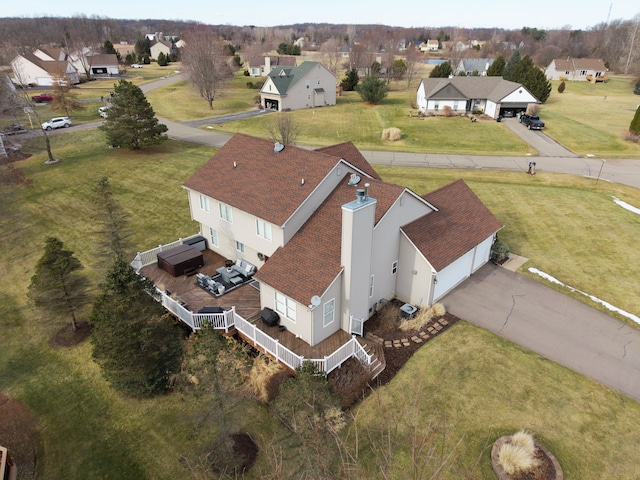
[[479, 64], [461, 222], [579, 64], [263, 182], [103, 59], [455, 88], [285, 78], [348, 152], [50, 66], [316, 248]]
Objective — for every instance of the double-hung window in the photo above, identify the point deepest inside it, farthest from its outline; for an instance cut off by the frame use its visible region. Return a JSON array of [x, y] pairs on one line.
[[286, 306], [213, 235], [240, 247], [204, 203], [225, 212], [328, 313], [263, 229]]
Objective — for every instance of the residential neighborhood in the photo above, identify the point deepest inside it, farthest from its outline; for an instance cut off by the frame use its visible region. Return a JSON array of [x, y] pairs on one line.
[[318, 250]]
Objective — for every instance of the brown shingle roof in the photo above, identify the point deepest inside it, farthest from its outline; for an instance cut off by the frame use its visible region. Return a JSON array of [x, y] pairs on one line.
[[580, 64], [311, 260], [264, 183], [461, 222], [49, 66], [348, 151]]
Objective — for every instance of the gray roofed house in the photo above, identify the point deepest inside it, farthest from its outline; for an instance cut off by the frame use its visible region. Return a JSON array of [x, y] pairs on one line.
[[261, 65], [308, 85], [470, 65], [577, 69], [493, 96]]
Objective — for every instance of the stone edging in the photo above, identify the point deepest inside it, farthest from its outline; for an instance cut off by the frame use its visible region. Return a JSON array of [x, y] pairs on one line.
[[502, 475], [422, 336]]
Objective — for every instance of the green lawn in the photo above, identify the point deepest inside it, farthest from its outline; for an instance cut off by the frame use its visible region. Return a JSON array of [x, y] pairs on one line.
[[90, 431]]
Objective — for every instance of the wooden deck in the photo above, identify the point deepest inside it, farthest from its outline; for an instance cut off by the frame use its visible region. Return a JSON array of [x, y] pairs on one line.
[[246, 299]]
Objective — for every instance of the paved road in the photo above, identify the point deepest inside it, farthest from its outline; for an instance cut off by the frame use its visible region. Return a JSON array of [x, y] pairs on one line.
[[552, 324]]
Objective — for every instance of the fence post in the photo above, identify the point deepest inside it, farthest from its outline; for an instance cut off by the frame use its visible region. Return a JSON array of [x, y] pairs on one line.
[[180, 240], [277, 345]]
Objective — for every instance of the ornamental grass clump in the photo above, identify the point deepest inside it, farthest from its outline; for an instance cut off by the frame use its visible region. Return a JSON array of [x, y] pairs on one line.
[[391, 134], [423, 317], [518, 455]]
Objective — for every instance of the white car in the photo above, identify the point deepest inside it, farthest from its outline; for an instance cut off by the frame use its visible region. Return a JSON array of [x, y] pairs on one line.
[[136, 65], [58, 122], [103, 111]]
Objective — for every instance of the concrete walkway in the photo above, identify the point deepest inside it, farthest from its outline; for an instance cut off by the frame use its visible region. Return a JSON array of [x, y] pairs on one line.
[[551, 324]]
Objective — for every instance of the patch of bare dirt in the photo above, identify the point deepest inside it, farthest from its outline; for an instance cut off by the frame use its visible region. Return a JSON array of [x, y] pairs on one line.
[[67, 337], [19, 435]]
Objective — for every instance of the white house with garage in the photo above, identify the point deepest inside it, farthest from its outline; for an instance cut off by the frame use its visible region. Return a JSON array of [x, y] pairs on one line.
[[331, 241]]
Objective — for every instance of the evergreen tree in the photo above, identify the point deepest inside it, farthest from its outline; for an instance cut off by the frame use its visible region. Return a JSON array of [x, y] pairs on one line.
[[372, 89], [350, 81], [108, 48], [131, 122], [562, 87], [441, 71], [376, 68], [511, 65], [399, 69], [162, 60], [634, 128], [57, 285], [496, 69], [636, 89], [113, 232], [133, 338], [532, 78]]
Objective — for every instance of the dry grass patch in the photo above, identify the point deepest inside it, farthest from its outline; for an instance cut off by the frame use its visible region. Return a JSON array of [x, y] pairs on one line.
[[423, 317], [391, 134], [515, 460], [264, 378]]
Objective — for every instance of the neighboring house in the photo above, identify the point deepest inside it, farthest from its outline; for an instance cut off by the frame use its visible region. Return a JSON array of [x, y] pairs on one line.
[[491, 95], [41, 69], [470, 65], [429, 46], [97, 64], [331, 240], [308, 85], [259, 66], [577, 69], [161, 46]]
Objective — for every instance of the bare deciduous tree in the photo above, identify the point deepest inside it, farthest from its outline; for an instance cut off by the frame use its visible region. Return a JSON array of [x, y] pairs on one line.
[[330, 54], [203, 58], [284, 129]]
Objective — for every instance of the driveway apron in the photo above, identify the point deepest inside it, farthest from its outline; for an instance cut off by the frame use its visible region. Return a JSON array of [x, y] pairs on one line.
[[551, 324]]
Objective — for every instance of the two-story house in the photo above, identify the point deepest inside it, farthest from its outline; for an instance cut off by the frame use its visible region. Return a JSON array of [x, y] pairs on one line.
[[308, 85], [331, 240], [261, 65]]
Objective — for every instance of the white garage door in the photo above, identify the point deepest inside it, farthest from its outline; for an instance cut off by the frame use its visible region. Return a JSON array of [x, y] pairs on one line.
[[453, 275], [482, 253]]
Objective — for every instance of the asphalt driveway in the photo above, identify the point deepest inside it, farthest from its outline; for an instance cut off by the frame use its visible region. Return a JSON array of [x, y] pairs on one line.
[[551, 324]]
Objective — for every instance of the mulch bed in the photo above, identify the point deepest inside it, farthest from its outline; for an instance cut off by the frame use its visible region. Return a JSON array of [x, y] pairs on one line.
[[66, 337]]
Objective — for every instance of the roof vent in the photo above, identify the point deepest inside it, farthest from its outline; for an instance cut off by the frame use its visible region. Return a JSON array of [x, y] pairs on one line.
[[278, 147], [354, 180], [360, 195]]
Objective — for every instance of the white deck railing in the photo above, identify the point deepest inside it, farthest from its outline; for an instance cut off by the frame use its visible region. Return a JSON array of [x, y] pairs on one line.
[[151, 256], [224, 321]]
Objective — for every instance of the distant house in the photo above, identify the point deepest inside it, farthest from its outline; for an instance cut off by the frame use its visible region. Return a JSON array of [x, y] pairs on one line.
[[161, 46], [96, 64], [308, 85], [429, 46], [261, 65], [41, 69], [491, 95], [470, 65], [577, 69]]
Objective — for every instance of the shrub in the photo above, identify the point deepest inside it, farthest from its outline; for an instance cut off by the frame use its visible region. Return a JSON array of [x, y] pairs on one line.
[[636, 89], [533, 109], [515, 459], [499, 252], [524, 440], [561, 87], [634, 127], [246, 73], [448, 111], [249, 85], [391, 134], [261, 378]]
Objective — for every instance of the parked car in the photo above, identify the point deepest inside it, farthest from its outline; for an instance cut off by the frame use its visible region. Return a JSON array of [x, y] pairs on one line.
[[42, 98], [58, 122], [136, 65], [103, 111], [532, 122]]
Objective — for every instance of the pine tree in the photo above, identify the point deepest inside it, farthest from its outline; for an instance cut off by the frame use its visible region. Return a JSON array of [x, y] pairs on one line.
[[57, 285], [441, 71], [511, 65], [112, 231], [131, 122], [133, 339], [496, 69], [350, 81], [162, 60], [372, 89], [634, 128]]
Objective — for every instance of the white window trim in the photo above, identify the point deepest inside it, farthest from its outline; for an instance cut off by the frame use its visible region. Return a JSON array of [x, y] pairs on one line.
[[332, 312], [204, 203], [285, 306], [213, 236], [263, 229], [226, 213], [240, 247]]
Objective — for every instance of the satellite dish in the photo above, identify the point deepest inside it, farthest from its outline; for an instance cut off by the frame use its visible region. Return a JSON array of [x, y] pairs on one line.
[[315, 300], [354, 180]]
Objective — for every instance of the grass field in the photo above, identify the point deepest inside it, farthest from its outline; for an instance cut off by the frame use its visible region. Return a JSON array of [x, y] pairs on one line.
[[90, 431]]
